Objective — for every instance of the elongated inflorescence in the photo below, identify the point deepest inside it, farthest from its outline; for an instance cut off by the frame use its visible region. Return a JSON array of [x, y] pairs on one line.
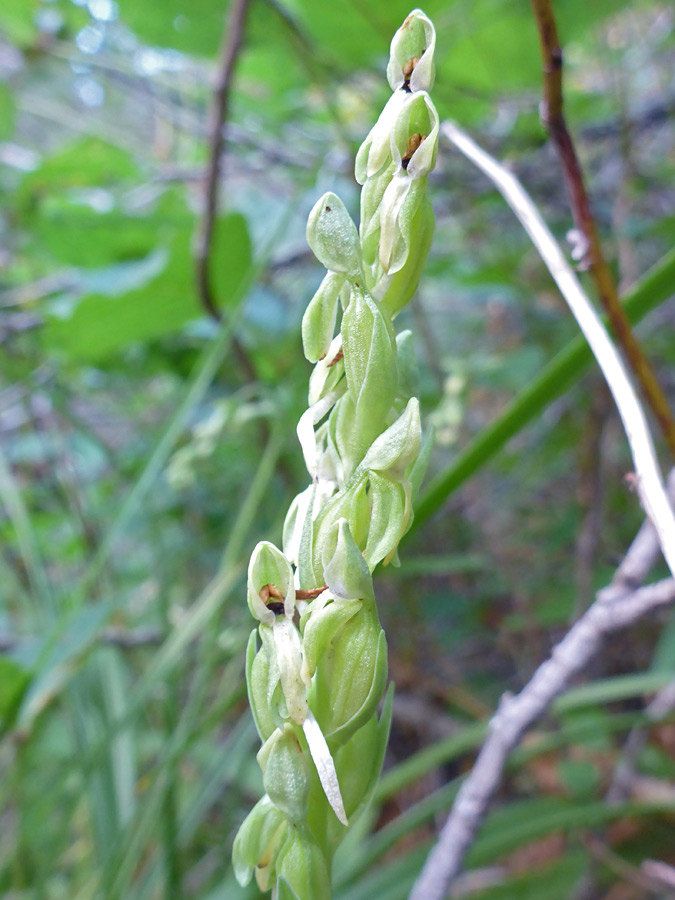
[[316, 665]]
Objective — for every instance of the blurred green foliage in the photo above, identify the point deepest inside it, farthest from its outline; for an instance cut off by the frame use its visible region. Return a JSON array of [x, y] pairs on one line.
[[140, 461]]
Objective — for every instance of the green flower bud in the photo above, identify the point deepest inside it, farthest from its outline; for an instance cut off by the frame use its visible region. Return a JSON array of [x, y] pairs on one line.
[[286, 773], [421, 464], [269, 566], [318, 322], [411, 61], [395, 291], [345, 570], [302, 873], [390, 513], [262, 678], [351, 504], [350, 677], [414, 148], [397, 448], [375, 152], [322, 626], [333, 237], [258, 841], [370, 367], [359, 761]]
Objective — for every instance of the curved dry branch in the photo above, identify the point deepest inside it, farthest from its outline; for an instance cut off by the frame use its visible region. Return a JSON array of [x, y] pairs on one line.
[[649, 484]]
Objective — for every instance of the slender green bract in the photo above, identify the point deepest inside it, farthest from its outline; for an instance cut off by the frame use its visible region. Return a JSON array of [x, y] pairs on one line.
[[316, 666]]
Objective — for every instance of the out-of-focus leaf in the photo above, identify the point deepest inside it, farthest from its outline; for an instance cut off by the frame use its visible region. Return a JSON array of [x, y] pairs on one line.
[[17, 21], [7, 108], [98, 325], [189, 26], [14, 680]]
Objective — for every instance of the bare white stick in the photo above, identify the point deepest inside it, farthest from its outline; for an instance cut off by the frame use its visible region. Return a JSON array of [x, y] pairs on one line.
[[649, 482]]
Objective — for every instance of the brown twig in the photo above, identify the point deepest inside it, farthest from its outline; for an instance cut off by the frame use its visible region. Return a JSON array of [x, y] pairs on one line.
[[231, 45], [554, 121]]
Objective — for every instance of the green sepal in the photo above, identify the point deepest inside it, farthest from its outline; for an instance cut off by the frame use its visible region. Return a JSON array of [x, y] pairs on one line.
[[302, 871], [397, 290], [370, 366], [374, 154], [260, 837], [345, 570], [421, 464], [390, 511], [321, 627], [286, 773], [350, 677], [257, 681], [333, 238], [359, 763], [397, 448], [318, 322], [352, 504], [272, 699]]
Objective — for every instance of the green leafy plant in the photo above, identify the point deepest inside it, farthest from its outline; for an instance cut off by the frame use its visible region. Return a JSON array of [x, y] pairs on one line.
[[317, 677]]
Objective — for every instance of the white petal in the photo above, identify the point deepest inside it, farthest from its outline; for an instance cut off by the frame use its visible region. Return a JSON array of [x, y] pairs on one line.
[[324, 765]]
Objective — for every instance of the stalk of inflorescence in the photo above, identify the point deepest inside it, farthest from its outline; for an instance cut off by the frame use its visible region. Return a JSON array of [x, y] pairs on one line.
[[316, 665]]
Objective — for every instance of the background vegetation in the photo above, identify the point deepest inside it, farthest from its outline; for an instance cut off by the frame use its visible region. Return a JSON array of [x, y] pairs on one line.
[[144, 448]]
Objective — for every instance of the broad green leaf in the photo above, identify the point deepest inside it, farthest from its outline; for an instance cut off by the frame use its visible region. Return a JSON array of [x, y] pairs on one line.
[[99, 325]]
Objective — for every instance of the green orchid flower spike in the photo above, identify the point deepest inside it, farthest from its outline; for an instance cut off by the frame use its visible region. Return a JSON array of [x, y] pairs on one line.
[[316, 666]]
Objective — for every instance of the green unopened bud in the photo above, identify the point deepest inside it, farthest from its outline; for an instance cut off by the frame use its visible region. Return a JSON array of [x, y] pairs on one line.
[[302, 873], [262, 680], [395, 291], [414, 148], [359, 762], [286, 773], [333, 237], [318, 322], [390, 514], [397, 448], [345, 570], [350, 680], [411, 60], [322, 626], [375, 152], [257, 843], [370, 366], [351, 504], [269, 567]]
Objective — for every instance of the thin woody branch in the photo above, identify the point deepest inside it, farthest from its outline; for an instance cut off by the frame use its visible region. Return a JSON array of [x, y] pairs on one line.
[[554, 121], [232, 42]]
